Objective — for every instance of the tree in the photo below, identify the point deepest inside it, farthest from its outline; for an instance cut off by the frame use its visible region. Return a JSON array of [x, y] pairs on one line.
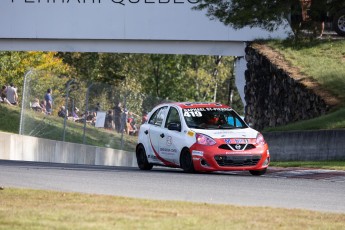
[[14, 66], [142, 80], [268, 14]]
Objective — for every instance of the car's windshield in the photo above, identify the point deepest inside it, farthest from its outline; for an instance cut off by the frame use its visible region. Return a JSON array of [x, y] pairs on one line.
[[212, 118]]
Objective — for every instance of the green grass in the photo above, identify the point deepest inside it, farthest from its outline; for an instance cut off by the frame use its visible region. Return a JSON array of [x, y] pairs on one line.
[[10, 117], [333, 120], [334, 165], [35, 209]]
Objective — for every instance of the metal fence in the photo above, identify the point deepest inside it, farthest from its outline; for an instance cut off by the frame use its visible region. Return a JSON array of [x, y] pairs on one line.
[[91, 113]]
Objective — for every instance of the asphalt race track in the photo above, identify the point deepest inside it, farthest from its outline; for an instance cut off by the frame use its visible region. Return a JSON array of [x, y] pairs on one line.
[[321, 190]]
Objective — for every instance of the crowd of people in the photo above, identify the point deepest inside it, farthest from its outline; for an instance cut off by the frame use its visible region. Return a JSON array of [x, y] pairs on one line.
[[121, 120], [44, 106], [117, 118], [89, 117]]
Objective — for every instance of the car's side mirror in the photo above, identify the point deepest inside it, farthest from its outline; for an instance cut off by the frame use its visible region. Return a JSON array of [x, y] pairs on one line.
[[174, 126]]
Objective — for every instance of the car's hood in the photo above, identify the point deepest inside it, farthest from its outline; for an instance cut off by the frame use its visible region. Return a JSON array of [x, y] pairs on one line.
[[228, 133]]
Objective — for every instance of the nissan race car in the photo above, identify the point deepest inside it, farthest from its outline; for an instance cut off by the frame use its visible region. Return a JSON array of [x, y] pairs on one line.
[[200, 137]]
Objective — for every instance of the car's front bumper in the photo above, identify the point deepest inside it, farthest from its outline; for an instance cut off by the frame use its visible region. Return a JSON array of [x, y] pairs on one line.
[[208, 158]]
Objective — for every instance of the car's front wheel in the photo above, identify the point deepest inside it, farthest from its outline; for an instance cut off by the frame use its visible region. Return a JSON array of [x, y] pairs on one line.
[[142, 161], [339, 22], [258, 172], [186, 161]]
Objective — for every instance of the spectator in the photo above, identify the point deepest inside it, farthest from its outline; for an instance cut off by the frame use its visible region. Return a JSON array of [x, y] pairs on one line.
[[91, 117], [131, 124], [36, 105], [318, 13], [144, 118], [3, 97], [3, 91], [124, 117], [83, 117], [43, 106], [12, 95], [5, 101], [109, 120], [48, 101], [117, 117], [75, 115], [98, 107], [62, 112]]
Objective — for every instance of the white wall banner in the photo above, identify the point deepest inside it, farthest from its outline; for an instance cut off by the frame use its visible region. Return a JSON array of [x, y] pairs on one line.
[[100, 119], [116, 19]]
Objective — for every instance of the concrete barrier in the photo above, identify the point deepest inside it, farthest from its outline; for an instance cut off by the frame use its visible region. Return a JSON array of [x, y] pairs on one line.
[[284, 146], [26, 148], [306, 145]]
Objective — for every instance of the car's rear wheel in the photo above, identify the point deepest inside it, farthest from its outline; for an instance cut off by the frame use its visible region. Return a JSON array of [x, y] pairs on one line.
[[339, 22], [186, 161], [258, 172], [142, 161]]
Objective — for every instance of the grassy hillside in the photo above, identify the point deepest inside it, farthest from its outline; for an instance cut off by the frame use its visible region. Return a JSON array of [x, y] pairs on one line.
[[51, 127], [322, 61], [10, 117]]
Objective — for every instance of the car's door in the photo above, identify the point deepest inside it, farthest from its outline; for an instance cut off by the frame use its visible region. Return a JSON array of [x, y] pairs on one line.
[[155, 130], [172, 139]]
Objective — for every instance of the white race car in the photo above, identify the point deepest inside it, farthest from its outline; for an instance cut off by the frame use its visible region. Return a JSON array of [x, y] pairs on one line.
[[200, 137]]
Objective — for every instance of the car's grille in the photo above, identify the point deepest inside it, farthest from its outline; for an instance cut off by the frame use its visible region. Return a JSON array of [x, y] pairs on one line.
[[237, 160], [237, 147]]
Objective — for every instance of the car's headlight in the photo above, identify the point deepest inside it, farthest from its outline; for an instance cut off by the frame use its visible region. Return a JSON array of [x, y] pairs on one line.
[[260, 139], [204, 139]]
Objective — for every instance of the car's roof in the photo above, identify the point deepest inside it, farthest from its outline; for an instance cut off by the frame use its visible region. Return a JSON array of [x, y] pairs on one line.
[[190, 105]]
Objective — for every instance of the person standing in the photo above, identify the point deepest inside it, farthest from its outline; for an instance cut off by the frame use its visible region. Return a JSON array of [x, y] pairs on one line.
[[98, 107], [12, 95], [117, 116], [318, 13], [49, 101], [109, 120]]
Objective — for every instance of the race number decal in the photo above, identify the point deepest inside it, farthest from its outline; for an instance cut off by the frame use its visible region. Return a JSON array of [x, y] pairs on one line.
[[192, 114]]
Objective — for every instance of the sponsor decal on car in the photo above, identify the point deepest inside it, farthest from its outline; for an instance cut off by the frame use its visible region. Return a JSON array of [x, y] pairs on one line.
[[236, 141], [190, 133], [197, 153]]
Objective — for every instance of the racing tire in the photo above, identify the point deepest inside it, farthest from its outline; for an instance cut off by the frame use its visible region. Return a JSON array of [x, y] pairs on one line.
[[339, 22], [142, 161], [258, 172], [186, 161]]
